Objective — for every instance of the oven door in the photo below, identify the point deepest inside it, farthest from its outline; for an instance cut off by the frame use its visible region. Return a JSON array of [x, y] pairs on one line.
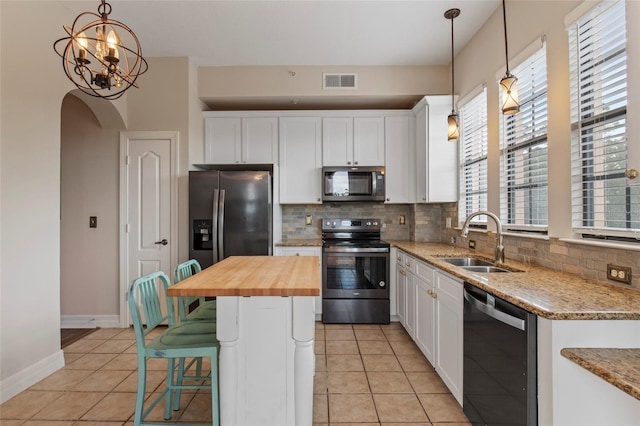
[[355, 273]]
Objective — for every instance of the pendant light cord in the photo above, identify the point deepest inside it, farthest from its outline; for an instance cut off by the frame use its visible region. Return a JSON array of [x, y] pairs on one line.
[[453, 70], [506, 48]]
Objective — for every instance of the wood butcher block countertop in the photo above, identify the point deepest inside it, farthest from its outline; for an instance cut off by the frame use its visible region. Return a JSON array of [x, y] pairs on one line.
[[254, 276]]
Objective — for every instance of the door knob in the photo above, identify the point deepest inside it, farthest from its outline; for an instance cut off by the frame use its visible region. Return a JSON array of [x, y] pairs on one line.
[[164, 242]]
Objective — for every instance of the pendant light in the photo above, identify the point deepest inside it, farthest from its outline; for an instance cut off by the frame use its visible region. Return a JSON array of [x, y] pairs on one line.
[[510, 103], [453, 122], [102, 57]]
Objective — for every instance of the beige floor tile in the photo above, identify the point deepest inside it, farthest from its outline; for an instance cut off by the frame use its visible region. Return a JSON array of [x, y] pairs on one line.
[[399, 408], [377, 347], [338, 327], [320, 409], [380, 363], [319, 347], [351, 408], [427, 383], [115, 406], [123, 362], [415, 363], [388, 382], [26, 404], [320, 383], [341, 347], [103, 381], [451, 424], [339, 334], [354, 424], [69, 358], [46, 423], [85, 423], [367, 326], [62, 380], [321, 363], [410, 424], [126, 334], [347, 382], [83, 346], [395, 325], [319, 325], [71, 406], [104, 333], [113, 346], [370, 334], [344, 363], [319, 335], [442, 408], [90, 362], [397, 335], [198, 410], [405, 348], [154, 380], [12, 422]]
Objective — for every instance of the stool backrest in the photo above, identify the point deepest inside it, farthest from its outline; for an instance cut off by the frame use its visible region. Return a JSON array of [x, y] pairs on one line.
[[145, 304], [183, 271]]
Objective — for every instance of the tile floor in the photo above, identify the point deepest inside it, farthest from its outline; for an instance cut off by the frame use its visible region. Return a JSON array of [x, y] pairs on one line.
[[365, 375]]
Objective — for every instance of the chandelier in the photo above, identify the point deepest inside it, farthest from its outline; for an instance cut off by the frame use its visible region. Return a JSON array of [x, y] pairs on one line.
[[102, 57]]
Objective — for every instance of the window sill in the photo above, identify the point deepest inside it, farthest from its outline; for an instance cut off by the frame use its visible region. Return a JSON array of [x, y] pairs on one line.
[[608, 244]]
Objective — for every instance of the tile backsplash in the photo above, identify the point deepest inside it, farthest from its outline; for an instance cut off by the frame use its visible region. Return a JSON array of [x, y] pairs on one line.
[[426, 222]]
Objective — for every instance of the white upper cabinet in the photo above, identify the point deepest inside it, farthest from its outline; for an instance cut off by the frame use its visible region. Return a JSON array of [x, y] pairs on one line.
[[436, 158], [399, 134], [300, 160], [352, 141], [234, 140]]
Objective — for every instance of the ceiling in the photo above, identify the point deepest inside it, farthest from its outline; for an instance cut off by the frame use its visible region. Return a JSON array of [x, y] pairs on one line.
[[298, 32]]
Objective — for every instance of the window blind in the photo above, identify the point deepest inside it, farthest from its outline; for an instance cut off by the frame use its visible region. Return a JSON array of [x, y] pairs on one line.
[[523, 150], [603, 202], [473, 156]]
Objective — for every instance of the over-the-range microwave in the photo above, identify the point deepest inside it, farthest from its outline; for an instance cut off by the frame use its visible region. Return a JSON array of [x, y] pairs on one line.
[[353, 183]]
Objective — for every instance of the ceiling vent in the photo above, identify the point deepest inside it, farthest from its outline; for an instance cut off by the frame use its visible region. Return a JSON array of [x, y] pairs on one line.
[[339, 81]]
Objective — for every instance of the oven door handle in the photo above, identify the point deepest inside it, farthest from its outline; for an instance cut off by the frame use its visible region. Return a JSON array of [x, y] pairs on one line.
[[356, 249]]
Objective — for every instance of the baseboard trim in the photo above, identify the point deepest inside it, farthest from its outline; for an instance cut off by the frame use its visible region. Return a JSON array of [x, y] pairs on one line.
[[13, 385], [89, 321]]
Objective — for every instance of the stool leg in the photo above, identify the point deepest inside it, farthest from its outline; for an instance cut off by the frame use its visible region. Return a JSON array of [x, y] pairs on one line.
[[142, 383], [178, 393], [171, 364]]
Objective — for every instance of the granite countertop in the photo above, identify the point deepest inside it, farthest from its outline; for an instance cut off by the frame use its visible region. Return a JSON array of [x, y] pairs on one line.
[[620, 367], [316, 242], [547, 293]]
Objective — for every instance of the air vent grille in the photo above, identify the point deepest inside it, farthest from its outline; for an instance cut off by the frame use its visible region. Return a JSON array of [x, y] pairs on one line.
[[339, 81]]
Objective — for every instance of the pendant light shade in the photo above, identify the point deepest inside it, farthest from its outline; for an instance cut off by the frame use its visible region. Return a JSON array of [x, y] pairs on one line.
[[453, 123], [101, 56], [510, 103]]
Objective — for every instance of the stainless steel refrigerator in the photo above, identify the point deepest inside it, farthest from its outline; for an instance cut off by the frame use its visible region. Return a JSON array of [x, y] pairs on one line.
[[230, 214]]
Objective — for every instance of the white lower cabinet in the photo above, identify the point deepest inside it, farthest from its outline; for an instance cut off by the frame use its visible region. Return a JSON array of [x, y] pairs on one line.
[[430, 307], [449, 328], [305, 251]]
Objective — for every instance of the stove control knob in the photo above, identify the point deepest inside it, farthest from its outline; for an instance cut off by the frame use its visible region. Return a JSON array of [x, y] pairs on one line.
[[333, 223], [368, 223], [375, 223]]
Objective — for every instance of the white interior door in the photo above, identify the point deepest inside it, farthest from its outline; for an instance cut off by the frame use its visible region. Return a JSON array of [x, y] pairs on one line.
[[148, 207]]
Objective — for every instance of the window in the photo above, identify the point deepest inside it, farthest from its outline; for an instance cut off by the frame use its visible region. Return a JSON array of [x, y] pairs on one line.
[[523, 150], [473, 156], [603, 202]]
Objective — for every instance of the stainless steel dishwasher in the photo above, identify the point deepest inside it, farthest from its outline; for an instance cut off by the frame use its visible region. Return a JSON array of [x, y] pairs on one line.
[[500, 361]]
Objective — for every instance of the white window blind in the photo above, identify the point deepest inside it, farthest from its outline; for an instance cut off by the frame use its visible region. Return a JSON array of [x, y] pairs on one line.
[[523, 150], [603, 202], [473, 156]]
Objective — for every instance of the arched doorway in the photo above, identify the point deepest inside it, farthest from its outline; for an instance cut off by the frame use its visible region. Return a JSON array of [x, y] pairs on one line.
[[89, 188]]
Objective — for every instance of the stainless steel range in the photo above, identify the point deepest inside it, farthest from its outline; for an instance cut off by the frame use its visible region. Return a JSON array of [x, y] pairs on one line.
[[355, 272]]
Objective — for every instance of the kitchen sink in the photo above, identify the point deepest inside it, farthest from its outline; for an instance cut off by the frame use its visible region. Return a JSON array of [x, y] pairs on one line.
[[467, 261], [484, 269]]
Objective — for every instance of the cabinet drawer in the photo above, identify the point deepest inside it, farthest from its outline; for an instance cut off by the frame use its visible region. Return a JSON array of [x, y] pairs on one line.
[[410, 263], [424, 271], [400, 258]]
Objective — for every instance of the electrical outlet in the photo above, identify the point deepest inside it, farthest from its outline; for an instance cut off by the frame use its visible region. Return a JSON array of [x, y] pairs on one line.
[[619, 273], [401, 219], [308, 220], [448, 222], [472, 244]]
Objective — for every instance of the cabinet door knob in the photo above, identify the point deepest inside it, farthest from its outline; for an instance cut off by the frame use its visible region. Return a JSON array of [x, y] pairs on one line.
[[434, 295], [408, 264], [430, 292], [348, 163], [318, 199], [355, 162], [388, 199]]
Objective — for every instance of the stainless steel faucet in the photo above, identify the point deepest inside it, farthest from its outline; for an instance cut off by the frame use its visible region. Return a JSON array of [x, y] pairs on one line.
[[499, 251]]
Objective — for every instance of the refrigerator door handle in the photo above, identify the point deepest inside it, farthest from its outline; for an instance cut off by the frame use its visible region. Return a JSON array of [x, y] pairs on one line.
[[214, 224], [221, 227]]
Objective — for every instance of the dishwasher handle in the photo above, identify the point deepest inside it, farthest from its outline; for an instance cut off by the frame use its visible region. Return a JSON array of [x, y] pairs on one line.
[[494, 313]]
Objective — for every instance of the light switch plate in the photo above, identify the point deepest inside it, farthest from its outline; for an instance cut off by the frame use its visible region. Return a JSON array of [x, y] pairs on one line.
[[308, 220], [93, 221]]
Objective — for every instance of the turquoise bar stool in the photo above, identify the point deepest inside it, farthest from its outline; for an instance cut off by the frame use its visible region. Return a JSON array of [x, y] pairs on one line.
[[192, 339], [206, 310]]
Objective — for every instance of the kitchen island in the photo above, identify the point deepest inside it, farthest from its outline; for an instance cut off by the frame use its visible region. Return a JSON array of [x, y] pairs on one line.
[[266, 327]]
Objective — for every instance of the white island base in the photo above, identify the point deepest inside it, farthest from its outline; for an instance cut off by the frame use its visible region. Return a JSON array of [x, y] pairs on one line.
[[267, 360]]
